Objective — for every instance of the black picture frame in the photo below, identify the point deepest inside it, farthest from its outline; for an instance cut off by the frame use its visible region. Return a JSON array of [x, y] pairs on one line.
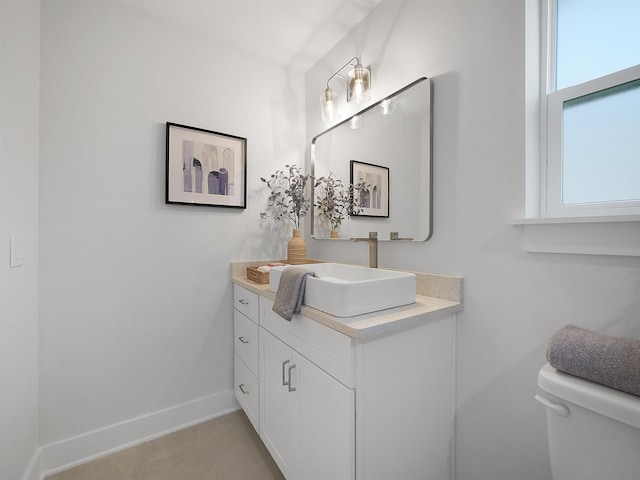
[[205, 167], [373, 200]]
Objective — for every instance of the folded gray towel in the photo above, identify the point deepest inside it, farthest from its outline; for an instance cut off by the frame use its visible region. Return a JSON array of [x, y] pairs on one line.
[[610, 361], [291, 291]]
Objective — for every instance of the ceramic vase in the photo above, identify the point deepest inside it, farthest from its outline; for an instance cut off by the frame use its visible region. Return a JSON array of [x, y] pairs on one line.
[[296, 249], [334, 233]]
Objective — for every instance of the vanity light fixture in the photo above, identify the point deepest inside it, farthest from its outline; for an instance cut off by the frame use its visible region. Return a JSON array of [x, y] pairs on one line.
[[386, 107], [330, 105], [358, 82]]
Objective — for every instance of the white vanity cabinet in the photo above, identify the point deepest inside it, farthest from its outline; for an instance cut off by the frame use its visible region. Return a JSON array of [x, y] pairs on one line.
[[307, 417], [373, 404], [245, 365]]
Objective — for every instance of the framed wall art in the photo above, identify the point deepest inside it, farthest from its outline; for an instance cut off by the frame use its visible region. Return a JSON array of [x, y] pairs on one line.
[[205, 167], [372, 189]]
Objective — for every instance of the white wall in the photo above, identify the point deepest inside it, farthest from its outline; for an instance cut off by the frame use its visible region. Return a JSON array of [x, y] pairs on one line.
[[135, 295], [514, 301], [19, 83]]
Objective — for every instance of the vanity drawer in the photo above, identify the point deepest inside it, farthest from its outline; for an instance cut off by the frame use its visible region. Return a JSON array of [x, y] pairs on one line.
[[332, 351], [246, 390], [246, 340], [246, 301]]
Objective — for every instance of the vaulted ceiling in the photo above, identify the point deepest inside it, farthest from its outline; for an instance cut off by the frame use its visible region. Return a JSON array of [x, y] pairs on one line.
[[294, 33]]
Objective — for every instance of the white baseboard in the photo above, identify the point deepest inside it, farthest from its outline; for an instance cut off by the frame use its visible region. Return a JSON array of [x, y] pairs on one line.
[[64, 454], [34, 470]]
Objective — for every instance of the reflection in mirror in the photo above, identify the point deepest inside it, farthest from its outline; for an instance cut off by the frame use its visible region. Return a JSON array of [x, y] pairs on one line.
[[385, 152]]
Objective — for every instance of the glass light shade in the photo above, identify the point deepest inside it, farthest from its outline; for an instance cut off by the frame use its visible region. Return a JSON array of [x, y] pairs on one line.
[[329, 105], [387, 107], [359, 84]]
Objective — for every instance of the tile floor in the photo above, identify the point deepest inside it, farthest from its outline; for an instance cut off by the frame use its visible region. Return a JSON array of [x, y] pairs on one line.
[[225, 448]]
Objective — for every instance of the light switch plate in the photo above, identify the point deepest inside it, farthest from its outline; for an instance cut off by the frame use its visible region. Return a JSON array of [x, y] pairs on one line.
[[17, 250]]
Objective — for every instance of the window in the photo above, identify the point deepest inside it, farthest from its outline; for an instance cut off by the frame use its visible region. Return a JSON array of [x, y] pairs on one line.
[[592, 139]]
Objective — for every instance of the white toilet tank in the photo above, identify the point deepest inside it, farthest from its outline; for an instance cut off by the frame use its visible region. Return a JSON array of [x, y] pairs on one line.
[[594, 431]]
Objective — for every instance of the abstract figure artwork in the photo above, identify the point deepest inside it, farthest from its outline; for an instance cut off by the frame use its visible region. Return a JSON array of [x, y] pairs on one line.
[[205, 167], [372, 183]]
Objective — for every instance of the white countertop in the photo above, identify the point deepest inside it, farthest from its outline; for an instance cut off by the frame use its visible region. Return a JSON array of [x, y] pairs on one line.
[[437, 296]]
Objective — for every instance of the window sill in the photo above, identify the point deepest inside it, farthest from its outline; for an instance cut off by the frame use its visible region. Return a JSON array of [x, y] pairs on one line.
[[590, 235]]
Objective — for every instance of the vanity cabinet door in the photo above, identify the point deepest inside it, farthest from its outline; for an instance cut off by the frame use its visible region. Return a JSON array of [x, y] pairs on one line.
[[327, 424], [307, 416], [280, 404]]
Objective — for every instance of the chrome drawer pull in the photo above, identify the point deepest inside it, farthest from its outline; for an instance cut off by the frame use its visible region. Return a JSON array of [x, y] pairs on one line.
[[242, 339], [243, 301], [241, 387], [291, 367], [284, 382]]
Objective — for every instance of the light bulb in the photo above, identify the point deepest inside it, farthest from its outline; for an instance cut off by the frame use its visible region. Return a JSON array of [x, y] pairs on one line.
[[357, 88], [329, 105], [359, 84]]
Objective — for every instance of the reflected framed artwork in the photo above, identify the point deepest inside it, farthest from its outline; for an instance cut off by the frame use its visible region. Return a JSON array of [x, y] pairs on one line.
[[372, 189], [205, 168]]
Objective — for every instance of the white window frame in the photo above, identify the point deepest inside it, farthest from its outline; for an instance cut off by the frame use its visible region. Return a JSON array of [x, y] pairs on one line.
[[600, 233], [552, 122]]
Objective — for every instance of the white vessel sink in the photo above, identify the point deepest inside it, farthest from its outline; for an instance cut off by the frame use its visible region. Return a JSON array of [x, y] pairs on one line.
[[347, 290]]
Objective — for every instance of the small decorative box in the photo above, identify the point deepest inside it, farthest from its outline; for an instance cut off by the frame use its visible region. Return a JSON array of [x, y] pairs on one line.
[[257, 276]]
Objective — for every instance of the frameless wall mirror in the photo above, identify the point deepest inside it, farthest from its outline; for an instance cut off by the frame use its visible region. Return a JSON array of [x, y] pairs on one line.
[[386, 150]]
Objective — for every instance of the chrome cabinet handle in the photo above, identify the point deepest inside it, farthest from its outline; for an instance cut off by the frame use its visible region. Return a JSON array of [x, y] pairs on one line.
[[284, 382], [242, 339], [291, 367], [243, 301], [241, 387]]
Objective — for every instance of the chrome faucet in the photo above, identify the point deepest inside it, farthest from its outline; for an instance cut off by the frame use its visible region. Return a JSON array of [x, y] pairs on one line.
[[373, 248]]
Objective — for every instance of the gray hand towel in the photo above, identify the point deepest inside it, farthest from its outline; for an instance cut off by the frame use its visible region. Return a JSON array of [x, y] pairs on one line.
[[291, 291], [610, 361]]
